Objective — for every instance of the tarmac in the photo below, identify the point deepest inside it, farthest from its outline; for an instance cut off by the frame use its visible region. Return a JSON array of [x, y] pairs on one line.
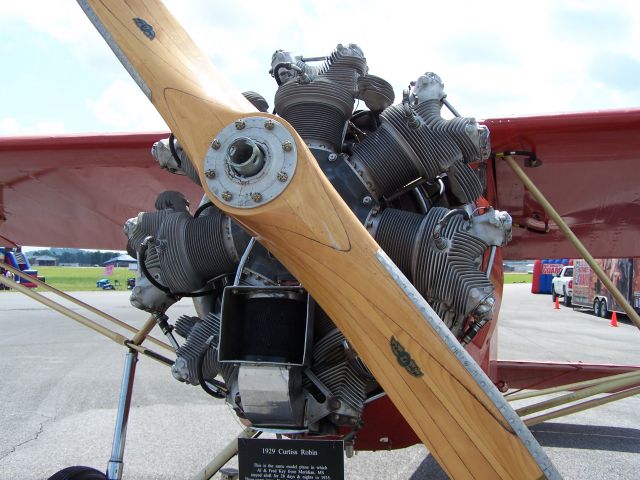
[[61, 382]]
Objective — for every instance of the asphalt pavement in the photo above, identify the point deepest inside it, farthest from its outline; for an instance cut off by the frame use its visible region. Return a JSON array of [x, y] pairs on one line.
[[60, 385]]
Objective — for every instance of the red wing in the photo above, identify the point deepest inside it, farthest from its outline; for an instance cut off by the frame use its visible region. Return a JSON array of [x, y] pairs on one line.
[[77, 191], [590, 173]]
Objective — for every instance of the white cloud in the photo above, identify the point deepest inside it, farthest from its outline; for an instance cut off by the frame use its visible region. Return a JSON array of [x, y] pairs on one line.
[[496, 58], [123, 107], [61, 20], [10, 126]]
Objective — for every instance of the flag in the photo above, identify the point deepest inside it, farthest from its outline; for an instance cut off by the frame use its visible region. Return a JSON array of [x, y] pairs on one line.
[[108, 270]]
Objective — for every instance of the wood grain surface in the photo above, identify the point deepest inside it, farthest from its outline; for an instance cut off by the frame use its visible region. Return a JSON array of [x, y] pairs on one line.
[[452, 406]]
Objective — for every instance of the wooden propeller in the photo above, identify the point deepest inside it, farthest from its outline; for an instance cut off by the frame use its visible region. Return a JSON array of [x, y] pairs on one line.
[[453, 407]]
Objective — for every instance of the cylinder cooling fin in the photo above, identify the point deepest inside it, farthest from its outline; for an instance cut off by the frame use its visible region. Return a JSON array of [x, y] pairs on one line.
[[448, 277]]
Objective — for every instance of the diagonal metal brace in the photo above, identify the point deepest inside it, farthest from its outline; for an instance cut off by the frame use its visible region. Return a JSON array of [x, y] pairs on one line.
[[564, 228]]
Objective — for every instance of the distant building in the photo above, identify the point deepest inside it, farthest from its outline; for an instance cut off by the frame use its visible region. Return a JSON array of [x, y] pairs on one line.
[[44, 261], [518, 266], [120, 261]]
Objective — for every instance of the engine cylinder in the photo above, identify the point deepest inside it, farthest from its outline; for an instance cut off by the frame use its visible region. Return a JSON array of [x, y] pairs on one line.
[[449, 276], [193, 251], [144, 225], [344, 66], [401, 151], [317, 110]]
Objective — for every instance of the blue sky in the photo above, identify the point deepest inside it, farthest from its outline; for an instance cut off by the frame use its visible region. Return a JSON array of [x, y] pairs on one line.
[[496, 58]]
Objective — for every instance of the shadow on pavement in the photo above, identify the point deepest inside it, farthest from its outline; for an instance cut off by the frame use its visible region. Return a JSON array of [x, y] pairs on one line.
[[589, 437], [562, 435], [429, 469]]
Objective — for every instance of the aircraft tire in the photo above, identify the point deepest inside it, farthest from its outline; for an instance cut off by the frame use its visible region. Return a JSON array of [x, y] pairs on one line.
[[604, 311], [78, 473]]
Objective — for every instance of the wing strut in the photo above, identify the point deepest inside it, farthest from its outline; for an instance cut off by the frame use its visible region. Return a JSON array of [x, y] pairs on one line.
[[564, 228]]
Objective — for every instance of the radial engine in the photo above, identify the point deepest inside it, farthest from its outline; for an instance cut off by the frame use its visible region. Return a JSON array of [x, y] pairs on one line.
[[413, 178]]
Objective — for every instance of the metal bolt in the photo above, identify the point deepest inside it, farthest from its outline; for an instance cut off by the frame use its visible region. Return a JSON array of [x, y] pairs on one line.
[[333, 157], [210, 173], [215, 144], [286, 146], [226, 196], [269, 124], [256, 197], [367, 200], [369, 224], [282, 176], [240, 124]]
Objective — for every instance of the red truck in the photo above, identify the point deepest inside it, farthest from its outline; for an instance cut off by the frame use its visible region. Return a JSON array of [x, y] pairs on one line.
[[588, 290]]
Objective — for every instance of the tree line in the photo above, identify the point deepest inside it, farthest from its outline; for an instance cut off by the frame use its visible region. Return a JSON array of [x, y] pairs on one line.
[[82, 257]]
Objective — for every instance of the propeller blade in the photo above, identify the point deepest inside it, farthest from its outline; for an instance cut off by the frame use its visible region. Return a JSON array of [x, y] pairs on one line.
[[451, 404]]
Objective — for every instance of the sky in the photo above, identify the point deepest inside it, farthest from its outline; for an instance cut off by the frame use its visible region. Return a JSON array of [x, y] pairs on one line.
[[496, 58]]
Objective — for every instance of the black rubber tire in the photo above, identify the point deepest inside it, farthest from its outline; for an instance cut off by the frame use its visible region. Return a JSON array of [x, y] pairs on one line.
[[596, 307], [566, 300], [604, 311], [78, 473]]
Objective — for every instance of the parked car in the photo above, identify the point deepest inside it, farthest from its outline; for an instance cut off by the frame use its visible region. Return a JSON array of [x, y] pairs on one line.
[[562, 285], [105, 284]]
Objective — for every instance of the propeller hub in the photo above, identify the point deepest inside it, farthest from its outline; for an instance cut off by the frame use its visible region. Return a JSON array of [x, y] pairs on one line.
[[245, 157], [252, 165]]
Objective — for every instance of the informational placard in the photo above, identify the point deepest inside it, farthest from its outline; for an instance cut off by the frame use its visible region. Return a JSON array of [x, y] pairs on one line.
[[269, 459]]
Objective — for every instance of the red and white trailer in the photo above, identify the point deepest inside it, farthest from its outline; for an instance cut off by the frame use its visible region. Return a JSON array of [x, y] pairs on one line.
[[589, 292]]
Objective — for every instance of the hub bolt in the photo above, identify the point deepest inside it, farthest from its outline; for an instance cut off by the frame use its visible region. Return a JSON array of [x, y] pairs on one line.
[[256, 197], [269, 124], [210, 173], [240, 124], [286, 146], [282, 176], [226, 196], [215, 144]]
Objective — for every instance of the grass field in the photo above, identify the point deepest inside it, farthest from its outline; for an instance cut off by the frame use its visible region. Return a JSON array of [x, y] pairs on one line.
[[76, 279], [517, 278]]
